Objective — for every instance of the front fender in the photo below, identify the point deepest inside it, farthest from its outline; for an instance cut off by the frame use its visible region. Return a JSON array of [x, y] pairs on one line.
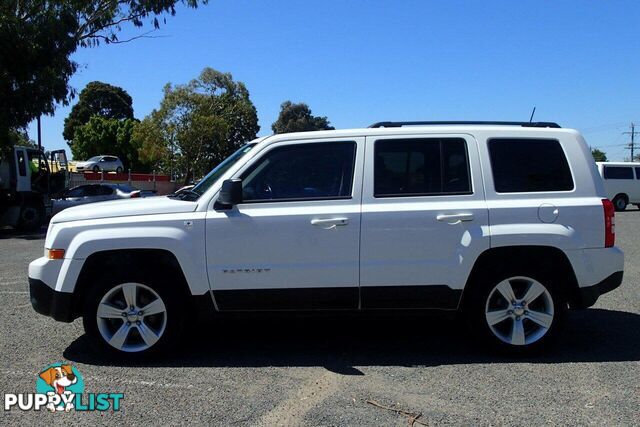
[[183, 237]]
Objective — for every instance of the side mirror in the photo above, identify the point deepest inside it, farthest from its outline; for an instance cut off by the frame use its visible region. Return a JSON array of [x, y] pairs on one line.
[[230, 194]]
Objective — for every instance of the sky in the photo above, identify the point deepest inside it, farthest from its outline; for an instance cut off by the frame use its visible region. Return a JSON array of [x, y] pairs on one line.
[[359, 62]]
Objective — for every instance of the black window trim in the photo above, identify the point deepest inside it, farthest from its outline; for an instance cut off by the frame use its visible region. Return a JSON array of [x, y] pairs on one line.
[[303, 199], [422, 137], [573, 180]]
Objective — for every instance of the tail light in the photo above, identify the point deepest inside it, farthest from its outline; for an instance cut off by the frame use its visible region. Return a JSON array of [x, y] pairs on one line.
[[609, 223], [136, 194]]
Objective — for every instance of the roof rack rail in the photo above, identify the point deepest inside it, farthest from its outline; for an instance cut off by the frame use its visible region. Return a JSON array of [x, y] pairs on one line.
[[421, 123]]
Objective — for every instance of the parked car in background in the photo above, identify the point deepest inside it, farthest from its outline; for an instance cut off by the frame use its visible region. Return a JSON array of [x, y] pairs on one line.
[[101, 164], [621, 182], [92, 193]]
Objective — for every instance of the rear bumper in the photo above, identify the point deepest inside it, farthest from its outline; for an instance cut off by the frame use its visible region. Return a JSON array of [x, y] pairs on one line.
[[588, 295], [50, 302]]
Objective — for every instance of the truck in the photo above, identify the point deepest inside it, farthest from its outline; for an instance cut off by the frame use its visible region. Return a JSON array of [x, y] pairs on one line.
[[28, 180]]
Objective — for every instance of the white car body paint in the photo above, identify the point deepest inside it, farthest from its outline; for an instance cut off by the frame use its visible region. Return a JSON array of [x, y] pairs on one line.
[[387, 241]]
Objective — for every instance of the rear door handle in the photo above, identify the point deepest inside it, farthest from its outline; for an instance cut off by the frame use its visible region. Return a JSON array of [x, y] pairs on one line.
[[330, 223], [455, 218]]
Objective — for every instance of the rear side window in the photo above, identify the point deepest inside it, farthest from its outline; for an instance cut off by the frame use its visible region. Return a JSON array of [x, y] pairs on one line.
[[529, 165], [618, 172], [421, 167], [637, 173], [103, 190]]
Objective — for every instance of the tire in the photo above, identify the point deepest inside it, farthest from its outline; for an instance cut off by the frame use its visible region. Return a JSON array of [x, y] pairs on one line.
[[134, 334], [620, 202], [118, 169], [31, 217], [521, 328], [96, 169]]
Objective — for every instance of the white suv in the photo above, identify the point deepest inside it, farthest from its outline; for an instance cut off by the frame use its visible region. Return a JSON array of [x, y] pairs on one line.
[[505, 223]]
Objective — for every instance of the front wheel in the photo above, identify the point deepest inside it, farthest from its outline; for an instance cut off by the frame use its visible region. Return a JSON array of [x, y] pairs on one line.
[[517, 313], [96, 169], [132, 318], [118, 169]]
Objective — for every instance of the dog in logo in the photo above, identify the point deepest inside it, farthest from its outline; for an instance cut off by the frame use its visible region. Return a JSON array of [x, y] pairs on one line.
[[59, 378]]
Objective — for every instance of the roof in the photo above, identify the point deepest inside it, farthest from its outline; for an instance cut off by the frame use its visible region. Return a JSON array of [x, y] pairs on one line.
[[412, 130], [619, 163]]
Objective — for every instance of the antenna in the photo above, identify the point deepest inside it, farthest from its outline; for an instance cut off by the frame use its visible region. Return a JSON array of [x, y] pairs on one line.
[[532, 113]]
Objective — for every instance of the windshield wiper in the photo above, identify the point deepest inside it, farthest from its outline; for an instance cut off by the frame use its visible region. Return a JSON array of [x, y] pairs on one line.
[[186, 194]]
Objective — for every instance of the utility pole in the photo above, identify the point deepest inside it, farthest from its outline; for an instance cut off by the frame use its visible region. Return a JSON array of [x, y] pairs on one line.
[[39, 135], [632, 145]]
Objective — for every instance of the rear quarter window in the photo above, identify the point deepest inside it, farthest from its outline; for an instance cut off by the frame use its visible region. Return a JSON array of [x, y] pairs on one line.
[[618, 172], [522, 165]]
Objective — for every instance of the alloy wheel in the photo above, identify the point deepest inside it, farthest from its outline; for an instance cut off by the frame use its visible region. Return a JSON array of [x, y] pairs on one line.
[[131, 317], [519, 311]]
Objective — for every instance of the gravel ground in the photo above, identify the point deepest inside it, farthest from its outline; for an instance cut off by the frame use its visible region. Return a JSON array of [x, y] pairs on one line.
[[322, 371]]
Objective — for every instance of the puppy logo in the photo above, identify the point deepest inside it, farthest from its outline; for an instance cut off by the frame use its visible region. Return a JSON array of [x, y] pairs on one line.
[[63, 380], [59, 378]]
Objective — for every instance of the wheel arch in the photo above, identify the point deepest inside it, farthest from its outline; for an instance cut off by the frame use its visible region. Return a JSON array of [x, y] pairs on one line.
[[160, 264], [553, 260]]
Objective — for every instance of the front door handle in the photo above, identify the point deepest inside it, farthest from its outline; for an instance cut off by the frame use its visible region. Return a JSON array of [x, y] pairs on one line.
[[330, 223], [455, 218]]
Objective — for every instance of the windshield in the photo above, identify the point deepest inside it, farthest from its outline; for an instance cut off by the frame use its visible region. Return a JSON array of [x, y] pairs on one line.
[[94, 158], [219, 170]]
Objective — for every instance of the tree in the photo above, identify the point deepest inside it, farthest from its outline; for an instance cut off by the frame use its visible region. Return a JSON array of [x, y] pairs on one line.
[[35, 45], [102, 135], [599, 155], [98, 99], [37, 38], [199, 124], [298, 118]]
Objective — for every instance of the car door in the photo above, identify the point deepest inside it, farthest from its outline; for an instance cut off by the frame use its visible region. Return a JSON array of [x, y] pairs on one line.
[[293, 243], [71, 197], [424, 220], [105, 164], [103, 193]]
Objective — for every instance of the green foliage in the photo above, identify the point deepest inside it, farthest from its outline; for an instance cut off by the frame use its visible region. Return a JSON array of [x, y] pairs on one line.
[[37, 38], [98, 99], [198, 124], [108, 136], [599, 155], [298, 118], [36, 41]]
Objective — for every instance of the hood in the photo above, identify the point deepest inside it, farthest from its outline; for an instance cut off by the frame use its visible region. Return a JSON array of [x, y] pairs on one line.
[[125, 207]]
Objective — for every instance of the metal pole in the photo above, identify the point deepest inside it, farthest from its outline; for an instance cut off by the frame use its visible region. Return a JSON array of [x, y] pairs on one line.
[[632, 144], [39, 135]]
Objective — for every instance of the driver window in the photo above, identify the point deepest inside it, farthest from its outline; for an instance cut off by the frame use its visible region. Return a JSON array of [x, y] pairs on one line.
[[302, 172]]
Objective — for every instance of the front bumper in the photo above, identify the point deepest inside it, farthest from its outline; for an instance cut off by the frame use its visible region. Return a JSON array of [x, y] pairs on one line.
[[50, 302], [588, 295]]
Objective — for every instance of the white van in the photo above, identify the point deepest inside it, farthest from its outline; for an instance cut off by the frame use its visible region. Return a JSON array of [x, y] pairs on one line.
[[621, 182]]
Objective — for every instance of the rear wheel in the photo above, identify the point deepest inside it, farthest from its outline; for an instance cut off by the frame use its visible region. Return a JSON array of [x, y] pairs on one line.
[[516, 311], [132, 317], [118, 169], [31, 217], [620, 202]]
